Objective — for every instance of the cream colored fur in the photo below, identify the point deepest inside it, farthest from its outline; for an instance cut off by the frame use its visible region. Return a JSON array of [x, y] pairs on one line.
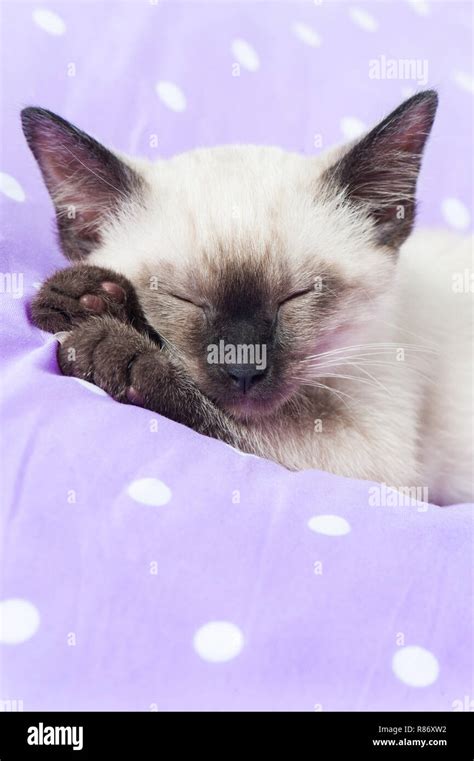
[[405, 415]]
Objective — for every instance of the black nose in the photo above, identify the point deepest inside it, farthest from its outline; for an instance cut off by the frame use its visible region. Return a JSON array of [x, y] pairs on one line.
[[244, 376]]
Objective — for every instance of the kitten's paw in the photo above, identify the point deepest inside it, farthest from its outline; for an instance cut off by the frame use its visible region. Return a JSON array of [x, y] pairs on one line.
[[76, 293], [133, 368], [111, 354]]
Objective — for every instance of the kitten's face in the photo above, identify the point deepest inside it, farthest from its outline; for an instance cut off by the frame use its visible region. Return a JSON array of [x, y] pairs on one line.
[[244, 326], [246, 247], [248, 261], [246, 334]]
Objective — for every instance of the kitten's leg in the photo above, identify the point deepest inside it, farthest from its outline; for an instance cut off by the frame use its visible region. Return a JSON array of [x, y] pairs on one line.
[[133, 369], [74, 294]]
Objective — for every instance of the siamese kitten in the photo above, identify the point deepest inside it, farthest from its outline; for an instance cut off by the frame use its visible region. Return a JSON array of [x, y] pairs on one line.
[[269, 299]]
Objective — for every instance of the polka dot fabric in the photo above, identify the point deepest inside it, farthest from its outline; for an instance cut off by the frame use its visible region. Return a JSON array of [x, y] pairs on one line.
[[134, 547]]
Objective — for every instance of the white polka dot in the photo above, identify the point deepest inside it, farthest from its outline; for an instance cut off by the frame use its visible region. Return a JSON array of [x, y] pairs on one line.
[[351, 127], [306, 34], [364, 19], [420, 6], [331, 525], [218, 641], [48, 21], [149, 491], [19, 620], [11, 187], [90, 386], [245, 55], [464, 81], [455, 213], [415, 666], [171, 95]]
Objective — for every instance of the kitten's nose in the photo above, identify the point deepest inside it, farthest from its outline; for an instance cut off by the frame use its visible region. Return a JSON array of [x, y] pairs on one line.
[[244, 376]]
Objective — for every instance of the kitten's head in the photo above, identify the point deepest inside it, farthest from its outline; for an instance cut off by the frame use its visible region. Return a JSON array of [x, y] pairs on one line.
[[248, 261]]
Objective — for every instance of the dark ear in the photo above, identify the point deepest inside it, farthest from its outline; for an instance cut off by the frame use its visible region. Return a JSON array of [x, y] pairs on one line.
[[380, 172], [87, 182]]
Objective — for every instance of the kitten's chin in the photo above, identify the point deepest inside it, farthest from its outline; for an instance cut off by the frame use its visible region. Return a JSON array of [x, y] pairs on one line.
[[262, 400], [248, 409]]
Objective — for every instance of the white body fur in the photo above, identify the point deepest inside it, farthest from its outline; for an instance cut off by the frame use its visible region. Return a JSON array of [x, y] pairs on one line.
[[405, 422]]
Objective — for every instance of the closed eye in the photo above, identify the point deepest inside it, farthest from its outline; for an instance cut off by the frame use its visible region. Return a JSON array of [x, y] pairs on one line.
[[296, 295], [186, 301]]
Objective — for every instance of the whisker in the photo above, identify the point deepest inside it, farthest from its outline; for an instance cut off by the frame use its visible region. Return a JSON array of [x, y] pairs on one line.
[[376, 380], [361, 361], [372, 347], [338, 393], [379, 363], [346, 377]]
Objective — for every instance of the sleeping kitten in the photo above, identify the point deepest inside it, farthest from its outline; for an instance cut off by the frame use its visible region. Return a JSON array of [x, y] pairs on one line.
[[269, 299]]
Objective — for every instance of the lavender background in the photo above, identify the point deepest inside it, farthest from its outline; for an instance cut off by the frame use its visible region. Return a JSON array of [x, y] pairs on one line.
[[126, 535]]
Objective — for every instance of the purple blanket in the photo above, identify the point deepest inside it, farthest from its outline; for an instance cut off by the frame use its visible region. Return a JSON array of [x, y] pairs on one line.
[[146, 567]]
